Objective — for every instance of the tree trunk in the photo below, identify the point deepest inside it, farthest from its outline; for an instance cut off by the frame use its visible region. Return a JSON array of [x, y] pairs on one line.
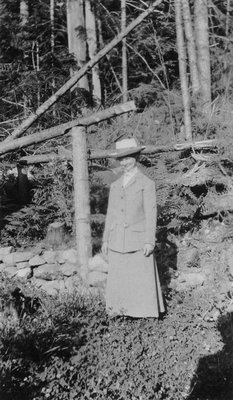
[[24, 16], [182, 70], [23, 186], [81, 196], [56, 234], [92, 48], [191, 46], [227, 64], [203, 53], [102, 154], [52, 41], [78, 75], [124, 56], [77, 37], [56, 131], [52, 38], [24, 12]]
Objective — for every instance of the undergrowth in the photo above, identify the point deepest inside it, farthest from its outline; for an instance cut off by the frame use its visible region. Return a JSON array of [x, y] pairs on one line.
[[156, 125], [70, 349]]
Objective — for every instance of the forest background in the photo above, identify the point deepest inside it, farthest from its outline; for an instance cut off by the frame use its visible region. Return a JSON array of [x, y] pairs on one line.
[[71, 349], [40, 49]]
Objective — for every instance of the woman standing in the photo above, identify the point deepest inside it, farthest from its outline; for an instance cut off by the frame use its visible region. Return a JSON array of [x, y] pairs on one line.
[[133, 286]]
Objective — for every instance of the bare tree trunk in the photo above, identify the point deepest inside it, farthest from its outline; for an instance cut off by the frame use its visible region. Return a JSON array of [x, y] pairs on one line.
[[24, 16], [52, 38], [191, 46], [36, 66], [100, 154], [78, 75], [81, 196], [203, 53], [227, 17], [77, 36], [52, 41], [227, 69], [24, 12], [124, 57], [23, 188], [182, 69], [92, 48]]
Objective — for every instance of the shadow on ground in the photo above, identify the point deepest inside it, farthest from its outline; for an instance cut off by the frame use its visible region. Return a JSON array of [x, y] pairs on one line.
[[213, 379]]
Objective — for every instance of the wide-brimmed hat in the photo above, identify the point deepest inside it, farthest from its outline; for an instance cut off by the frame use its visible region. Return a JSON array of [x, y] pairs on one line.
[[126, 148]]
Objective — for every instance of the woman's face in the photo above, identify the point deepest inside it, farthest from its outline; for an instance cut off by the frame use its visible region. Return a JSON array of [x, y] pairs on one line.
[[127, 163]]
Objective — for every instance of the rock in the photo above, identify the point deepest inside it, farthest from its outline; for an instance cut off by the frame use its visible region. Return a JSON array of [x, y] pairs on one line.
[[36, 261], [10, 271], [73, 283], [24, 273], [69, 255], [187, 280], [97, 263], [51, 287], [17, 257], [5, 251], [68, 269], [2, 267], [47, 272], [97, 278], [50, 256], [24, 264], [38, 249], [59, 257]]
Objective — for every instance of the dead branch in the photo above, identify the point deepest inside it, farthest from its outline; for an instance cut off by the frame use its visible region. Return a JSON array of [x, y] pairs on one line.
[[99, 154], [6, 147]]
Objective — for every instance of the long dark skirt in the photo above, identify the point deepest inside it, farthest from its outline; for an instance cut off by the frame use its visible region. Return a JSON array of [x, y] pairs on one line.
[[133, 286]]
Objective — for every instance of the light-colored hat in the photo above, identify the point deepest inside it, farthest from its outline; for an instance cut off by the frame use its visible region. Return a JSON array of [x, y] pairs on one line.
[[126, 147]]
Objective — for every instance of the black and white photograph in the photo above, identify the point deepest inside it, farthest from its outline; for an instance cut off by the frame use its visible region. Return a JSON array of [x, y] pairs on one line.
[[116, 199]]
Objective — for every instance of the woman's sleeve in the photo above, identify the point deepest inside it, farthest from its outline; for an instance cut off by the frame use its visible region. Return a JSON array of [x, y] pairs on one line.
[[150, 209], [109, 216]]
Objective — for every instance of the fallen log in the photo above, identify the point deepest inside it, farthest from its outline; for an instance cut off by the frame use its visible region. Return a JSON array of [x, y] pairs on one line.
[[99, 154], [6, 147], [77, 76], [202, 144]]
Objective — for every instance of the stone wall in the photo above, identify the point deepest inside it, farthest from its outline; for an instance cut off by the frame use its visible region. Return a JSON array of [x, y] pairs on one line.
[[53, 271]]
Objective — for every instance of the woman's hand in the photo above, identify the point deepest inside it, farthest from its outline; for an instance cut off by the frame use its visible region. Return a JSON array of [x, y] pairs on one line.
[[148, 249], [104, 249]]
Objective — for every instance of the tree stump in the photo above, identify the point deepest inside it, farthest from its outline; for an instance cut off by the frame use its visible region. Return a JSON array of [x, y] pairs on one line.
[[56, 234]]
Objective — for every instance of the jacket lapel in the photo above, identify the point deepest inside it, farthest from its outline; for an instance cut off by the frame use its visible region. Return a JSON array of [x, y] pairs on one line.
[[133, 180]]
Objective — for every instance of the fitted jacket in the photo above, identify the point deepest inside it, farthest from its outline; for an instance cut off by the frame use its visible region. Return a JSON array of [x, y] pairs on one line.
[[131, 214]]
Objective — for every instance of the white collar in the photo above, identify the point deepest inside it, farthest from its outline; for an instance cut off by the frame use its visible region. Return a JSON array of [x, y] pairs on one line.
[[131, 173], [127, 177]]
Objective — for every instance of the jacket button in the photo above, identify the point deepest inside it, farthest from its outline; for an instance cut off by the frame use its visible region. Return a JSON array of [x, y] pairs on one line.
[[126, 225]]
